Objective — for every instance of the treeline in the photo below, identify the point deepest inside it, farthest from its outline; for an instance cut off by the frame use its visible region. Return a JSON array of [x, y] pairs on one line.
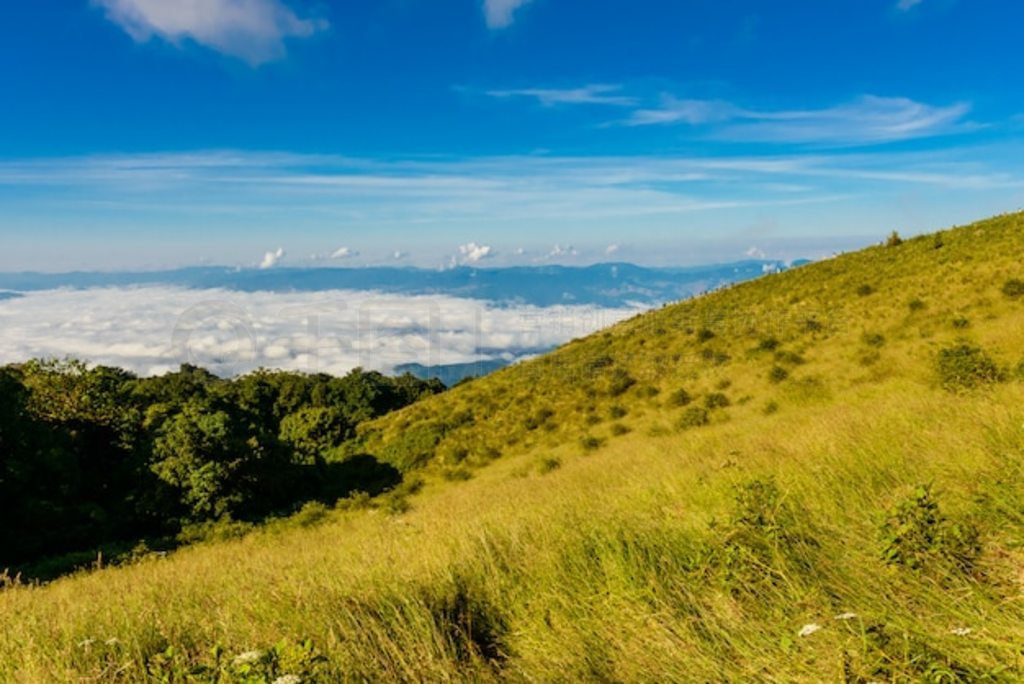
[[92, 456]]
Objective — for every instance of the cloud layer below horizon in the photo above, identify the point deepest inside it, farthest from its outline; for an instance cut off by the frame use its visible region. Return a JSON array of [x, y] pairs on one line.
[[151, 330]]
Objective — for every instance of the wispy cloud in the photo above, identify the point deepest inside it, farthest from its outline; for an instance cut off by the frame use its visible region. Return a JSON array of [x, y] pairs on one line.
[[907, 5], [675, 111], [254, 31], [500, 14], [866, 120], [596, 94]]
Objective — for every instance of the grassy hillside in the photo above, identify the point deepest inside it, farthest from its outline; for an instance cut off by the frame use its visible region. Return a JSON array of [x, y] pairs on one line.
[[816, 476]]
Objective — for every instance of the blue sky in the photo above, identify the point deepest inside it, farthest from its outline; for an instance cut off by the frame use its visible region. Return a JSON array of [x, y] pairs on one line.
[[160, 133]]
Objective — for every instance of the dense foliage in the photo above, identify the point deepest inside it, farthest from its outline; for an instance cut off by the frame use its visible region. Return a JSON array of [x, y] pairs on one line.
[[93, 456]]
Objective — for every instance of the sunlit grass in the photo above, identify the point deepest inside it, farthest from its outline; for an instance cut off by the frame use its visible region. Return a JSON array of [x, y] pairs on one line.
[[750, 548]]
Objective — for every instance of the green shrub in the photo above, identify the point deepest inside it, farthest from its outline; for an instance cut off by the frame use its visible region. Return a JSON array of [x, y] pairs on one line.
[[961, 322], [772, 407], [916, 535], [591, 443], [1014, 288], [548, 464], [777, 374], [704, 335], [716, 400], [865, 290], [916, 305], [679, 398], [312, 513], [621, 381], [768, 344], [894, 240], [693, 417], [618, 411], [618, 429], [813, 325], [965, 367], [459, 474], [875, 340], [790, 357]]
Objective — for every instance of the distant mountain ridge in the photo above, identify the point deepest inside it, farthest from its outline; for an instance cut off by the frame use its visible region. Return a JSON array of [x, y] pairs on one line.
[[604, 285]]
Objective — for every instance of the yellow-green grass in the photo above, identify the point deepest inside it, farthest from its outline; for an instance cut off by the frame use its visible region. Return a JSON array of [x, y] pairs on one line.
[[632, 561]]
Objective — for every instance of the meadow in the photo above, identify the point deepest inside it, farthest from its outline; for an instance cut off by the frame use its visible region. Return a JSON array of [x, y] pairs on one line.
[[815, 476]]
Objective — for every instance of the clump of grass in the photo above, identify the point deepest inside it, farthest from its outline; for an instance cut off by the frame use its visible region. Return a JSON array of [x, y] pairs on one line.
[[705, 335], [548, 464], [680, 397], [591, 443], [716, 400], [693, 417], [777, 374], [916, 304], [961, 322], [768, 344], [865, 290], [966, 367], [1014, 288], [790, 357], [771, 408], [916, 535], [876, 340], [618, 430], [618, 411]]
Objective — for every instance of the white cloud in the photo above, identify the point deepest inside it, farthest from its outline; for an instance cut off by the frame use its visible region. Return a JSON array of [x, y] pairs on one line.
[[399, 255], [866, 120], [907, 5], [599, 94], [500, 14], [612, 249], [151, 330], [271, 259], [344, 253], [755, 252], [559, 252], [471, 253], [254, 31], [674, 111]]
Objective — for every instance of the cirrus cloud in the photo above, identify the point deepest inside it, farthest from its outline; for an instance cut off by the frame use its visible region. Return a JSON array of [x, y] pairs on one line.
[[500, 14]]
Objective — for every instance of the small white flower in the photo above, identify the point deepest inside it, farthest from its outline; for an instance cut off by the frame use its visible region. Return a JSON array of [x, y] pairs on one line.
[[86, 643], [248, 658], [288, 679], [961, 631], [846, 616], [808, 630]]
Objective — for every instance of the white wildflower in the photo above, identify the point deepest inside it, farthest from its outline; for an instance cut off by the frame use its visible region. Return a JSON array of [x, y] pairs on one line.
[[86, 643], [808, 630], [288, 679], [846, 616], [961, 631], [248, 658]]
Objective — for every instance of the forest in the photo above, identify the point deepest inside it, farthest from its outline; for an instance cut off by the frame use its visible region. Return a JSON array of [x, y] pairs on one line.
[[95, 458]]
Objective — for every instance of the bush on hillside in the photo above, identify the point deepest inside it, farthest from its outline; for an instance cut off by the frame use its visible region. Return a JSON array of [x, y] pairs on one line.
[[679, 398], [1014, 288], [865, 290], [693, 417], [777, 374], [716, 400], [894, 240], [916, 304], [916, 535], [966, 367]]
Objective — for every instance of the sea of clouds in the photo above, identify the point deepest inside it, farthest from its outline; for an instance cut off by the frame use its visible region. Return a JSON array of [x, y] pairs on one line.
[[151, 330]]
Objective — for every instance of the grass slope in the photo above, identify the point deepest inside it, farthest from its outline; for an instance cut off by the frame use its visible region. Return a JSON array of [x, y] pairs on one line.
[[813, 476]]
